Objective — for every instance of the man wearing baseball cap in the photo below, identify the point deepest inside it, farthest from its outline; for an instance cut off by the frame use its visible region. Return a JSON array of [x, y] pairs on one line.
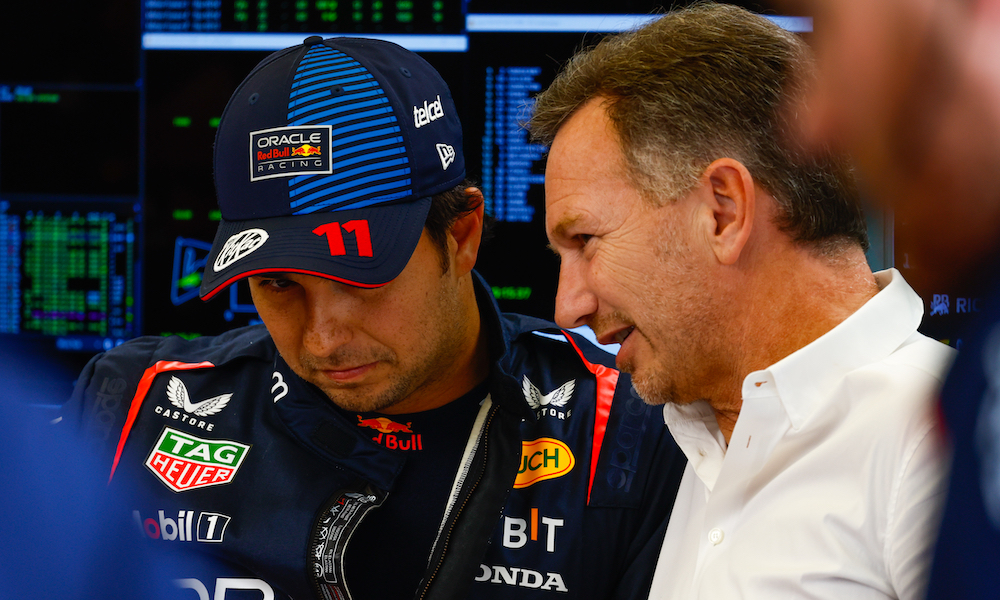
[[387, 433]]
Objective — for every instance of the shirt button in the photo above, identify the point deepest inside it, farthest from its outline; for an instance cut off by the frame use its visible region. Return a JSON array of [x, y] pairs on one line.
[[715, 536]]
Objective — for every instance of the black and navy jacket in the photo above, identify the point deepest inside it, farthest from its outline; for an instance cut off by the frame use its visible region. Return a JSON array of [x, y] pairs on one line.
[[226, 451]]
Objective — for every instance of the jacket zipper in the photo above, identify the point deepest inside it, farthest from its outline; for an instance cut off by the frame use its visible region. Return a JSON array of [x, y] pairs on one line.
[[458, 511]]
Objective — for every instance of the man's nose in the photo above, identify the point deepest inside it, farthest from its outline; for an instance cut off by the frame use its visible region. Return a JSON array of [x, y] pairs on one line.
[[575, 302], [328, 317]]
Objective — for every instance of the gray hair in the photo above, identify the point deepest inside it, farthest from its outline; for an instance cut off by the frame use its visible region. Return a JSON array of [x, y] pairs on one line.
[[706, 82]]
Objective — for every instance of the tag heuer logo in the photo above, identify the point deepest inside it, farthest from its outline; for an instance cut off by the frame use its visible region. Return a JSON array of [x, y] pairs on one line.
[[239, 246], [184, 462], [447, 155]]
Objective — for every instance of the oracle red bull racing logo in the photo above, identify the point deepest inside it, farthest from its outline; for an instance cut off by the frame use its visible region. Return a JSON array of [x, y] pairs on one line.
[[388, 430], [290, 151], [184, 462]]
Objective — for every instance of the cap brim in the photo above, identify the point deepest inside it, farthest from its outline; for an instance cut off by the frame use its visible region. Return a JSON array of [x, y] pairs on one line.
[[366, 247]]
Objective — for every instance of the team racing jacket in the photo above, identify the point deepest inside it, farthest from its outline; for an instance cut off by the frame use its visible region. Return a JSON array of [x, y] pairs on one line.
[[563, 490]]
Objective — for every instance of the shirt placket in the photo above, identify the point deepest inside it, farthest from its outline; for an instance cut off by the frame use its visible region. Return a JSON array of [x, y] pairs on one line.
[[760, 426]]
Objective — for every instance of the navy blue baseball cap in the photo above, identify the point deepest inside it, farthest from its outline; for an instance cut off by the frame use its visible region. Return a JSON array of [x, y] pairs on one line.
[[326, 158]]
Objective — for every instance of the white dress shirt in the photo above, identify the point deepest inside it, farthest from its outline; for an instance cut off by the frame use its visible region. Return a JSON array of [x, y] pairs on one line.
[[832, 481]]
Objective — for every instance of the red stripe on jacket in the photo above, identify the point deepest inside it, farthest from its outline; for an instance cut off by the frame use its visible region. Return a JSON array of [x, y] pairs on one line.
[[140, 395], [607, 381]]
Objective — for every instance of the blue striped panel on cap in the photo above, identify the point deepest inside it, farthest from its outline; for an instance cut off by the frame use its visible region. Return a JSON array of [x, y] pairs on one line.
[[368, 154]]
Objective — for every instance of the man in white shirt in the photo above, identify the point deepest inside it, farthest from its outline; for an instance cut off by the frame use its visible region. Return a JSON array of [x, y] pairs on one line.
[[732, 271]]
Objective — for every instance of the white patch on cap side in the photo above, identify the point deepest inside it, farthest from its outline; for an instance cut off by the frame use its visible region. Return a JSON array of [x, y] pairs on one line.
[[447, 155], [239, 246]]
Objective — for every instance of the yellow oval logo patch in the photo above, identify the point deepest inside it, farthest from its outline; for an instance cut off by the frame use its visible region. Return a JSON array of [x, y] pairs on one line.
[[541, 459]]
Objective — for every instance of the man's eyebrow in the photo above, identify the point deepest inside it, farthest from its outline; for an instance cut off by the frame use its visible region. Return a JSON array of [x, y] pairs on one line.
[[559, 229]]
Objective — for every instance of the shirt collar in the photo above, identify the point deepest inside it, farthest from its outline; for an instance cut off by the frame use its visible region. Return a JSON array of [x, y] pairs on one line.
[[696, 432], [803, 379]]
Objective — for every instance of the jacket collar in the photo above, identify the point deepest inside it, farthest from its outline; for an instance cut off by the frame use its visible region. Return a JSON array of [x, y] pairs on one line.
[[501, 330]]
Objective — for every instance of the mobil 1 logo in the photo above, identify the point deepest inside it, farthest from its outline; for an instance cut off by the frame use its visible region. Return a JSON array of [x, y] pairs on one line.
[[188, 526]]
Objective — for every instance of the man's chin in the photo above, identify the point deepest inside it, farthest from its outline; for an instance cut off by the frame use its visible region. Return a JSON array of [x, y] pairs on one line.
[[360, 404], [368, 398], [652, 390]]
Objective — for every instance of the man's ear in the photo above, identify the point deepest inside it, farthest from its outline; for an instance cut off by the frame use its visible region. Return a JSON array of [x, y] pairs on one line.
[[467, 232], [732, 205]]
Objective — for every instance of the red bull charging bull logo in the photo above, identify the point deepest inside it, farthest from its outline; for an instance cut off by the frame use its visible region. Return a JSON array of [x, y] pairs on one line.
[[388, 429], [306, 150], [384, 425]]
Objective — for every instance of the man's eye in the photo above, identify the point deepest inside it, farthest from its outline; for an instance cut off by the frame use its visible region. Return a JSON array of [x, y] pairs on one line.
[[275, 283]]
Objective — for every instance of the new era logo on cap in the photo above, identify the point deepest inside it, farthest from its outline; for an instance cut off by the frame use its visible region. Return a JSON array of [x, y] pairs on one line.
[[447, 155]]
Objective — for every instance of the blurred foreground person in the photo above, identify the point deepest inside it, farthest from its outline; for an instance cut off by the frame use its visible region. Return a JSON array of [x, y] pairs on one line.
[[732, 271], [912, 89], [56, 540]]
